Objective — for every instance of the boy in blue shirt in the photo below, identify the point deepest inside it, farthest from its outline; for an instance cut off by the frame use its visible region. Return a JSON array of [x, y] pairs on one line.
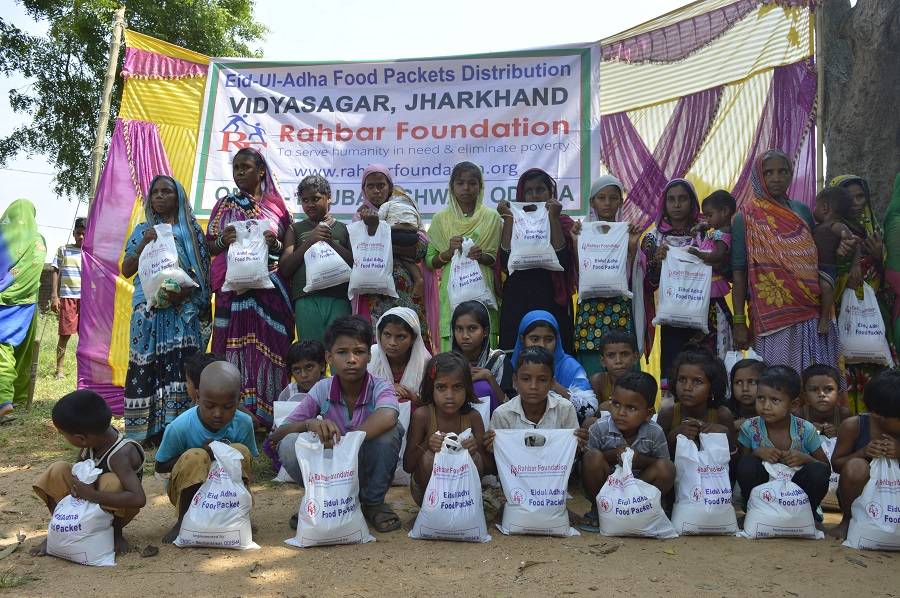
[[184, 451]]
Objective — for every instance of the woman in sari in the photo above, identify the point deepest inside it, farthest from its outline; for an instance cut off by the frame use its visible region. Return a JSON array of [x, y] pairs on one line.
[[22, 253], [377, 187], [776, 271], [254, 329], [163, 337], [868, 269], [465, 216]]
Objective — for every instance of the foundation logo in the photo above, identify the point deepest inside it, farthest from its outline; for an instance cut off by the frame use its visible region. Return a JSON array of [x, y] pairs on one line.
[[432, 499], [768, 496], [311, 508], [697, 494], [517, 496], [873, 510], [238, 133], [603, 504]]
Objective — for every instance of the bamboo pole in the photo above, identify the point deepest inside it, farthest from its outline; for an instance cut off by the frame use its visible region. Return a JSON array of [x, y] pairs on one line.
[[820, 101], [103, 121]]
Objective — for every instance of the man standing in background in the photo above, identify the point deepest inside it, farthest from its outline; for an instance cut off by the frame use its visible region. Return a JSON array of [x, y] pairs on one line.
[[65, 298]]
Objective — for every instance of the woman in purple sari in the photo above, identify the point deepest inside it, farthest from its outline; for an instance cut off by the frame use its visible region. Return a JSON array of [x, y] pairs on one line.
[[253, 329]]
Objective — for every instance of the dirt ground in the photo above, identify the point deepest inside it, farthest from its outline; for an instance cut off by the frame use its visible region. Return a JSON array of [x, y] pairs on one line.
[[396, 565]]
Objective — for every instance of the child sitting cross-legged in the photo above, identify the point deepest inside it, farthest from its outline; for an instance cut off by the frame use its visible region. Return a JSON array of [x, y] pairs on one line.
[[306, 360], [83, 418], [193, 367], [744, 375], [184, 451], [821, 392], [618, 354], [630, 425]]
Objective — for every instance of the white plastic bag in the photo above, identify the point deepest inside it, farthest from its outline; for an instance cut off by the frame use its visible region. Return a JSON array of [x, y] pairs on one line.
[[452, 508], [534, 467], [466, 282], [483, 407], [702, 487], [627, 506], [861, 329], [248, 258], [219, 515], [830, 502], [330, 512], [324, 267], [79, 530], [779, 508], [530, 245], [373, 261], [732, 357], [282, 409], [684, 290], [875, 515], [401, 478], [603, 260], [159, 269]]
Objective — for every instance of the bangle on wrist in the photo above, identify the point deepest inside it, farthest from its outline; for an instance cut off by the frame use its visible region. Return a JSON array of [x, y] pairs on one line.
[[739, 319], [219, 243]]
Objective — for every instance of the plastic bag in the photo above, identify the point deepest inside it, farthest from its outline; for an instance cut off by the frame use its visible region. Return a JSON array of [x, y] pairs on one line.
[[530, 245], [401, 478], [830, 502], [534, 467], [329, 510], [684, 291], [373, 261], [324, 267], [483, 407], [603, 260], [732, 357], [452, 508], [702, 487], [248, 258], [875, 515], [861, 329], [627, 506], [159, 269], [219, 515], [466, 282], [779, 508], [79, 530]]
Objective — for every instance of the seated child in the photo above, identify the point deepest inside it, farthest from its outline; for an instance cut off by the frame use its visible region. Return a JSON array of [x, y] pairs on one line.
[[713, 242], [776, 436], [833, 207], [447, 406], [618, 354], [866, 437], [821, 388], [184, 450], [744, 375], [352, 399], [307, 362], [470, 326], [193, 367], [83, 418], [402, 215], [698, 399], [631, 425]]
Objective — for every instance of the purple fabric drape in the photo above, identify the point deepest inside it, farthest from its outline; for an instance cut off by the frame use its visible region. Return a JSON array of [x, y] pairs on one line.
[[787, 124], [645, 174], [143, 63], [135, 156]]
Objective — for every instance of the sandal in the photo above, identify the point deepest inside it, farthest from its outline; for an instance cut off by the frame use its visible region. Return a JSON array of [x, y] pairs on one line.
[[381, 517], [295, 519], [589, 522]]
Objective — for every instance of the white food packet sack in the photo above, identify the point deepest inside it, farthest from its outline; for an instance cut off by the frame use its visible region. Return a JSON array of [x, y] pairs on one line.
[[373, 261], [830, 502], [466, 282], [330, 512], [324, 268], [779, 508], [861, 329], [684, 291], [248, 258], [80, 531], [452, 508], [280, 411], [627, 506], [875, 515], [159, 269], [603, 260], [219, 515], [702, 487], [534, 468], [401, 478], [530, 245]]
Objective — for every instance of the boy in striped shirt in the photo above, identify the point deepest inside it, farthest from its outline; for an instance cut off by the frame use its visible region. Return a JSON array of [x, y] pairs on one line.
[[65, 298]]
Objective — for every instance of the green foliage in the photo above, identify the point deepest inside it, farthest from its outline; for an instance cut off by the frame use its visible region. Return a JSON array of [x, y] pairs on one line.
[[66, 68]]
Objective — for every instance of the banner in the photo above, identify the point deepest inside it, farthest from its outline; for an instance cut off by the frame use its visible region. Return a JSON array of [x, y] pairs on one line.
[[505, 112]]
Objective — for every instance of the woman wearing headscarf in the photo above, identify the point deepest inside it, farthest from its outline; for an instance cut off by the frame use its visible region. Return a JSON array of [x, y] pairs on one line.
[[163, 337], [465, 216], [254, 329], [537, 288], [776, 272], [397, 358], [22, 253], [377, 188]]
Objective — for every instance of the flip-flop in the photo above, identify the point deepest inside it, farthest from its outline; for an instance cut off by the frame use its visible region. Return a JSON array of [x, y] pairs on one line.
[[295, 519], [382, 517], [589, 523], [7, 419]]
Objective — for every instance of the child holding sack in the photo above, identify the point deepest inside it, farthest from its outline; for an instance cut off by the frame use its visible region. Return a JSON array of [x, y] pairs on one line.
[[184, 451], [316, 310]]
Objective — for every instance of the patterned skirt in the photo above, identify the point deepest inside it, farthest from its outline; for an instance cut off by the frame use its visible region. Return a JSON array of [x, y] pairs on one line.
[[800, 346]]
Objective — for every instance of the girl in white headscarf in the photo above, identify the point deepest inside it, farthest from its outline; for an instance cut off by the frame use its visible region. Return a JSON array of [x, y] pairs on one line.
[[399, 354]]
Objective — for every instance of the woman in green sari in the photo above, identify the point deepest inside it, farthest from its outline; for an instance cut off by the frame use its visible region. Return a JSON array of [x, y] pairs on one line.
[[22, 253]]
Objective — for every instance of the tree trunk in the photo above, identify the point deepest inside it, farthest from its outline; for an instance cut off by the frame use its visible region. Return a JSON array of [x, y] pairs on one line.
[[862, 85]]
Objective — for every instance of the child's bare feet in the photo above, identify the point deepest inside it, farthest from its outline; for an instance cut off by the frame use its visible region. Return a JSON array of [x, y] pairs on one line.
[[121, 544], [839, 532], [172, 533], [40, 549]]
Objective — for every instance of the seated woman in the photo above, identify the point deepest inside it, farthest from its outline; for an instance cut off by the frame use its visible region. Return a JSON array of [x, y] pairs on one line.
[[399, 353], [471, 326]]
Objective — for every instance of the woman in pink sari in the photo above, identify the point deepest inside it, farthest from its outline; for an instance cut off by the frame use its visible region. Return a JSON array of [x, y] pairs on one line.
[[254, 329]]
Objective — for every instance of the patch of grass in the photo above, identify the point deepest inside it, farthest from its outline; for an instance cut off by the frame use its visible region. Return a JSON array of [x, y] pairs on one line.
[[12, 579]]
